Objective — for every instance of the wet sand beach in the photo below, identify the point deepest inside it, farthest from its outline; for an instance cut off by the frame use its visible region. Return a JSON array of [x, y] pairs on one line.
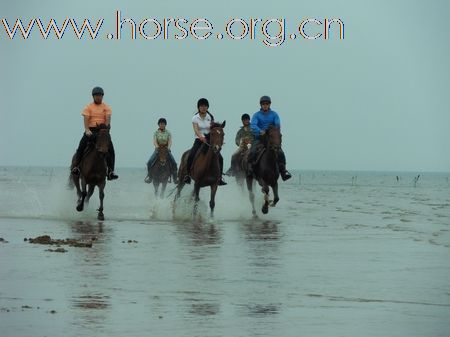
[[328, 261]]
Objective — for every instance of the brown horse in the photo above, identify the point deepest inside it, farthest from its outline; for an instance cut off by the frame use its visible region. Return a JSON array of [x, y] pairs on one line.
[[93, 170], [160, 170], [205, 170], [266, 169]]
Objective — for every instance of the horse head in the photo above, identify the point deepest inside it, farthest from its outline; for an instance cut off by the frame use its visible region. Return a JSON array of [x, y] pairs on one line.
[[163, 150], [103, 139], [216, 136]]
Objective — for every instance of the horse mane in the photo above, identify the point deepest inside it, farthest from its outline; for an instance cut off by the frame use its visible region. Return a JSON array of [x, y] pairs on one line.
[[218, 125]]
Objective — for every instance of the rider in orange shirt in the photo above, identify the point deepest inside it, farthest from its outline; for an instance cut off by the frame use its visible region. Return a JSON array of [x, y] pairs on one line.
[[94, 114]]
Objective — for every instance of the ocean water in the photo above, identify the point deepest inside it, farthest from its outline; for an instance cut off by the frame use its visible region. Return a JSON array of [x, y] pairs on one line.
[[342, 254]]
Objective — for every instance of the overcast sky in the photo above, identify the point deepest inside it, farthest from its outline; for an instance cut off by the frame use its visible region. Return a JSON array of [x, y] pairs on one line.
[[376, 100]]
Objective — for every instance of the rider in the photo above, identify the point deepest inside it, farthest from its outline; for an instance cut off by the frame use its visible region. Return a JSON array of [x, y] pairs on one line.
[[261, 121], [162, 137], [94, 114], [201, 122], [244, 137]]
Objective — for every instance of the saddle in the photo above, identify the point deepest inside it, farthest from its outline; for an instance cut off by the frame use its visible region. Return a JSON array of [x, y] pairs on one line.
[[203, 149]]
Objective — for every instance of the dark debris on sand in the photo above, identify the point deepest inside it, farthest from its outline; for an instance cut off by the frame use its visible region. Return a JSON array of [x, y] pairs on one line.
[[47, 240], [3, 240]]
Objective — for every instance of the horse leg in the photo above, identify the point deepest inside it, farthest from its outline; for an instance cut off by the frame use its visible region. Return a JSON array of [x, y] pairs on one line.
[[251, 195], [101, 194], [76, 183], [212, 202], [196, 196], [156, 186], [80, 204], [163, 189], [265, 207], [275, 194], [89, 193]]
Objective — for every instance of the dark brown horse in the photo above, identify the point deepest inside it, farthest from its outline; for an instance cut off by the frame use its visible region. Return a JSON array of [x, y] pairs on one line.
[[93, 170], [266, 171], [205, 170], [160, 170]]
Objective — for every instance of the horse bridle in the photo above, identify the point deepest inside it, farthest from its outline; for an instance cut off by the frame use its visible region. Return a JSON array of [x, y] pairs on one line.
[[216, 148]]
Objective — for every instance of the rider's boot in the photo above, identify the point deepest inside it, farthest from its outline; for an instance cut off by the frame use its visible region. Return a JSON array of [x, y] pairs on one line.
[[111, 175], [222, 182], [75, 170], [285, 175]]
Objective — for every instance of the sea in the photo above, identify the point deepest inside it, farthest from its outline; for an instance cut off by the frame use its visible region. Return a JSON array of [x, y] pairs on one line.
[[342, 254]]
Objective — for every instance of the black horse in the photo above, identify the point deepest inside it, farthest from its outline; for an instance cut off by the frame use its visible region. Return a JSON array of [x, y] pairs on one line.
[[266, 171], [93, 169]]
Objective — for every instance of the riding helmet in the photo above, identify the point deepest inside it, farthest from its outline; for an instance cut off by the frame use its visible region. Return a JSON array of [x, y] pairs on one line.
[[97, 91], [245, 116], [202, 101], [265, 99], [162, 120]]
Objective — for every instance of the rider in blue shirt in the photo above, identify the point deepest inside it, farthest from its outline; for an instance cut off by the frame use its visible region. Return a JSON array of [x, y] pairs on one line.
[[261, 120]]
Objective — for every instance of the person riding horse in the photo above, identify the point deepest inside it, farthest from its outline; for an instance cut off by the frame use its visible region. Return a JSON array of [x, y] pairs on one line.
[[244, 138], [201, 123], [261, 121], [162, 137], [94, 114]]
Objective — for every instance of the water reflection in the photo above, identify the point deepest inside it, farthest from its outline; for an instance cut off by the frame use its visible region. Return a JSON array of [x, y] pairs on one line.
[[90, 301], [264, 275], [199, 234], [261, 309], [265, 230], [205, 309]]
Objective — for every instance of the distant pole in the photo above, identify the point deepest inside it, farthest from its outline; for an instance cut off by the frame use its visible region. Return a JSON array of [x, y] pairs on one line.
[[416, 179]]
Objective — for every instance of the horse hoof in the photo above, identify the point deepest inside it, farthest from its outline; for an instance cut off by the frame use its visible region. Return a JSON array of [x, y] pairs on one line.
[[101, 216], [265, 209], [80, 208]]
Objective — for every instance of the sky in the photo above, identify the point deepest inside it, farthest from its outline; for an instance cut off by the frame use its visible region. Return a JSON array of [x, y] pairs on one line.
[[375, 100]]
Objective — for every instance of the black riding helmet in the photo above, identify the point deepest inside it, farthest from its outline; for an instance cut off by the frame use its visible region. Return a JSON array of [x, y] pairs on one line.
[[245, 116], [202, 101], [265, 99], [97, 91], [162, 120]]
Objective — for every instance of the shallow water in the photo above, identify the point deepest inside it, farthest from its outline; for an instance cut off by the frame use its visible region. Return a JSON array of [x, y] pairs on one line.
[[338, 256]]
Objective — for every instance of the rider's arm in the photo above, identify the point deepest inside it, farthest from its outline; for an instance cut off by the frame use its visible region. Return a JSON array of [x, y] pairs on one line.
[[155, 143], [169, 143], [276, 120], [254, 125], [86, 123], [237, 139], [197, 132]]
